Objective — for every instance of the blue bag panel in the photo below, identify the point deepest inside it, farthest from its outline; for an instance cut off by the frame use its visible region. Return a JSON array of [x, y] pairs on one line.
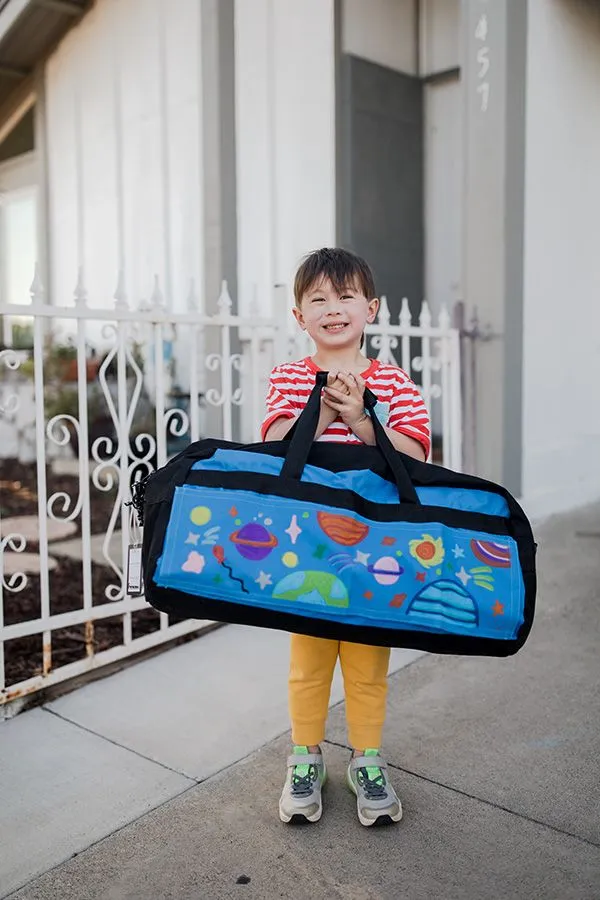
[[361, 481], [295, 556]]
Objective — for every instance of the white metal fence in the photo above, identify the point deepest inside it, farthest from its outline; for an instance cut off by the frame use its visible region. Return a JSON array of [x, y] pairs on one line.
[[104, 397]]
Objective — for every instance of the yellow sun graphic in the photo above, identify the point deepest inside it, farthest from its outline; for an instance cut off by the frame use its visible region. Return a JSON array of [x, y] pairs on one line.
[[428, 551]]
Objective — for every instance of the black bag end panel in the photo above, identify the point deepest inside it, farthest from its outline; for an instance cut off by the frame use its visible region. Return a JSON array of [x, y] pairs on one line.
[[192, 607]]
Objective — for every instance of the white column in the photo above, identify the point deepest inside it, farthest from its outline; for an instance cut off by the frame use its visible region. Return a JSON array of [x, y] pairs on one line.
[[285, 139], [493, 73]]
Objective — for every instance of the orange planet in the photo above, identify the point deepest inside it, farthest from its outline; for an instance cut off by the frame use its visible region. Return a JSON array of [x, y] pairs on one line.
[[342, 529]]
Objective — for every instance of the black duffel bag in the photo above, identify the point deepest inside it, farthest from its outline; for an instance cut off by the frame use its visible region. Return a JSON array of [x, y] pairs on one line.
[[350, 542]]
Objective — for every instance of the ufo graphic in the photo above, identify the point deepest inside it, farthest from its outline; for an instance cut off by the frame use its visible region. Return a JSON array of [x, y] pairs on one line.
[[492, 553], [317, 588], [253, 541], [444, 603]]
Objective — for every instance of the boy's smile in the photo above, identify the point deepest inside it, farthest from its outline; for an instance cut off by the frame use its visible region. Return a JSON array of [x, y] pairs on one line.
[[335, 318]]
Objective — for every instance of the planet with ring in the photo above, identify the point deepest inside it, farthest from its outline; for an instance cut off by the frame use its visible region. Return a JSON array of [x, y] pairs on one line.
[[386, 570], [253, 541]]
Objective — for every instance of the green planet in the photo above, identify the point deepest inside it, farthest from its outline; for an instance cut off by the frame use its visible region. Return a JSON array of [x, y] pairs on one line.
[[318, 588]]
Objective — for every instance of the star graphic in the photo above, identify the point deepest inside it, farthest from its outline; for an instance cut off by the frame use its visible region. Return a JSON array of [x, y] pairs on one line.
[[233, 511], [362, 558], [397, 600], [192, 538], [320, 551], [458, 552], [263, 579], [420, 576], [293, 530], [498, 608], [218, 579], [463, 576]]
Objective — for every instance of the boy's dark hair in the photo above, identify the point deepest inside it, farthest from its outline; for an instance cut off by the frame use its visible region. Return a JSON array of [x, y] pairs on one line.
[[342, 267]]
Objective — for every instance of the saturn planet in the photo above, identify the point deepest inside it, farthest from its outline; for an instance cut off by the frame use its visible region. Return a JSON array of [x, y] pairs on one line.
[[386, 570], [253, 541]]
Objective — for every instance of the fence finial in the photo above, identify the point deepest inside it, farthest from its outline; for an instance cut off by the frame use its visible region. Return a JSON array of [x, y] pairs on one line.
[[192, 299], [444, 318], [405, 314], [120, 297], [224, 302], [157, 301], [80, 292], [36, 291], [384, 311], [254, 308], [425, 316]]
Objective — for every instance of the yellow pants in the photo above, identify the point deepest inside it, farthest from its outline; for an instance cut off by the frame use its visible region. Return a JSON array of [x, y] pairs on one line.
[[364, 670]]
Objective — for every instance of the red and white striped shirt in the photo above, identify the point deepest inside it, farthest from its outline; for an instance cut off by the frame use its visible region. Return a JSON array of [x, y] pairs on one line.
[[400, 405]]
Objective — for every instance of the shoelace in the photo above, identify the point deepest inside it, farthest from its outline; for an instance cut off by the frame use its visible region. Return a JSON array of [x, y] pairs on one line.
[[302, 785], [374, 788]]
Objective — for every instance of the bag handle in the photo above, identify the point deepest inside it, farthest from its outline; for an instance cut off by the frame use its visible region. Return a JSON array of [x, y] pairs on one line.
[[303, 435]]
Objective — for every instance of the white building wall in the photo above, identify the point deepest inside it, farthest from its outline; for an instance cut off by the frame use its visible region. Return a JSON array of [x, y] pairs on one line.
[[439, 51], [403, 34], [439, 35], [285, 140], [443, 193], [561, 410], [123, 97], [381, 31], [400, 34]]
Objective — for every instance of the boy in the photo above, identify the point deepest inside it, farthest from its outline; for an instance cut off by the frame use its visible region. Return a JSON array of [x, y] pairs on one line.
[[335, 298]]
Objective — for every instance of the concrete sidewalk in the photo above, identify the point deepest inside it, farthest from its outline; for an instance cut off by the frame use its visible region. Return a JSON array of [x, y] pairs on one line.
[[497, 762]]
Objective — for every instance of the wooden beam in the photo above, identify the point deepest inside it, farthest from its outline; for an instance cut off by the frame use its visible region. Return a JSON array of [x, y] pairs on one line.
[[13, 72], [10, 15], [14, 108], [68, 7]]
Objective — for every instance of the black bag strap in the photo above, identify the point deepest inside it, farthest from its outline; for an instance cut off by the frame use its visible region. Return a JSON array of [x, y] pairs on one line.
[[303, 435]]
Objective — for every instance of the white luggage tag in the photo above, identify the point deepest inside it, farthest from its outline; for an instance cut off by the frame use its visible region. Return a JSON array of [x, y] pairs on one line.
[[135, 582]]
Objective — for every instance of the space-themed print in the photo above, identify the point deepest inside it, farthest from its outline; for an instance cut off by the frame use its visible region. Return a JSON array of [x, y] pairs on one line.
[[301, 557]]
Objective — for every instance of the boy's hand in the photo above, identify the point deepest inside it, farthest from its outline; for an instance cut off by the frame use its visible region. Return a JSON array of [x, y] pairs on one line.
[[334, 380], [348, 402]]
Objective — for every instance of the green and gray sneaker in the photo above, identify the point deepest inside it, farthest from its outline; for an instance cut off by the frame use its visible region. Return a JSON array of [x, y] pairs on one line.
[[301, 797], [376, 800]]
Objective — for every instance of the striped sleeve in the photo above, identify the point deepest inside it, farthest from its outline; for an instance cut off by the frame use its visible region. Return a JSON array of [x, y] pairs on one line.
[[409, 416], [279, 403]]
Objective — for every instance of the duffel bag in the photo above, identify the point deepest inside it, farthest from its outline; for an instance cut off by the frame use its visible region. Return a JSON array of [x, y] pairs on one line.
[[349, 542]]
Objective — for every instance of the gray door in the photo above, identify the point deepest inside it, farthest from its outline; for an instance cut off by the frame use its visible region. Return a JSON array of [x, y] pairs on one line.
[[380, 175]]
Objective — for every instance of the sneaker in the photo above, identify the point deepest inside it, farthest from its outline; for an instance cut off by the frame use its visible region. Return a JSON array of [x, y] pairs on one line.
[[376, 800], [301, 797]]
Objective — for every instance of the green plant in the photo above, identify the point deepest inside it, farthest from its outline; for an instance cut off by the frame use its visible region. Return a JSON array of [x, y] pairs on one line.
[[64, 400], [22, 335]]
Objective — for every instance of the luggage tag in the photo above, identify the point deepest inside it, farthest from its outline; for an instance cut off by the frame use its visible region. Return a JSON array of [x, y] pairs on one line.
[[135, 581]]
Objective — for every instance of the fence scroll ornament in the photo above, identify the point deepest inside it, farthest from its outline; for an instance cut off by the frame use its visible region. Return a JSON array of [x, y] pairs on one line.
[[158, 379], [9, 406]]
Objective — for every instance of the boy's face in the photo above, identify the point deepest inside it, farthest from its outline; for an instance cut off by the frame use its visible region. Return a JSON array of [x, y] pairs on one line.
[[335, 319]]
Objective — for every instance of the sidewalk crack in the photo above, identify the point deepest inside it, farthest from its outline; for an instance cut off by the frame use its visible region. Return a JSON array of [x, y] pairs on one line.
[[490, 803], [190, 778]]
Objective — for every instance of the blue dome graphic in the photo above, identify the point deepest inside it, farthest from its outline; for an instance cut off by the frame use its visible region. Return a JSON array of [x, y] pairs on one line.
[[444, 603]]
